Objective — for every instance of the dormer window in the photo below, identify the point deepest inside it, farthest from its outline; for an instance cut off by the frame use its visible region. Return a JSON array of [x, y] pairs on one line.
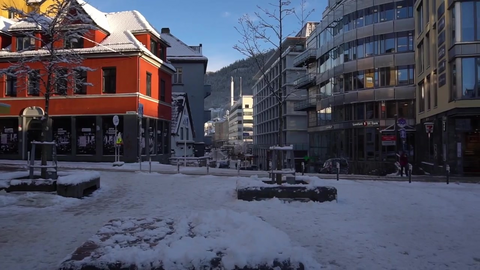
[[154, 47], [161, 51], [25, 43], [11, 14], [157, 49], [74, 43]]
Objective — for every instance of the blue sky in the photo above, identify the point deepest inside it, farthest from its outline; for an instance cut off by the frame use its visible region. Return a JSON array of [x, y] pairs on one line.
[[210, 22]]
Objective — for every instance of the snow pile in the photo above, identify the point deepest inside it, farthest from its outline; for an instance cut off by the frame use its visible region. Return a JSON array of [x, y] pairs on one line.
[[76, 177], [255, 183], [6, 199], [223, 238], [35, 182], [13, 175]]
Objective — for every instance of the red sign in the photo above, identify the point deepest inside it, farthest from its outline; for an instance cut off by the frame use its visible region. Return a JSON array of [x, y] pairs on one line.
[[388, 138]]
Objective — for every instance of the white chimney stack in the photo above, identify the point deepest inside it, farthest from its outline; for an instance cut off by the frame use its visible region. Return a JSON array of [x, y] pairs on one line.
[[241, 87], [232, 92]]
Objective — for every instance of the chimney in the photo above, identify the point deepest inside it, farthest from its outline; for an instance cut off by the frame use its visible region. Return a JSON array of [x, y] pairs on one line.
[[232, 92], [165, 31], [241, 87], [200, 48]]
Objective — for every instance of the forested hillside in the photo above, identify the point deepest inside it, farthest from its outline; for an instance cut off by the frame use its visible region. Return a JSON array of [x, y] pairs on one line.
[[220, 81]]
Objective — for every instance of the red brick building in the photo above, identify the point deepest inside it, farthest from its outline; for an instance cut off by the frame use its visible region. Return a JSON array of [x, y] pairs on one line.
[[130, 70]]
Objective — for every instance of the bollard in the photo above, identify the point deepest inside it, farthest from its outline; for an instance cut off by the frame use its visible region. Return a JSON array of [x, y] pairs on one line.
[[150, 165], [208, 168], [178, 166], [338, 171], [28, 158], [448, 174], [409, 173]]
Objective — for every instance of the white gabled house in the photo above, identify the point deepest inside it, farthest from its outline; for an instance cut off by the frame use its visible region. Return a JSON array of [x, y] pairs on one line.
[[183, 133]]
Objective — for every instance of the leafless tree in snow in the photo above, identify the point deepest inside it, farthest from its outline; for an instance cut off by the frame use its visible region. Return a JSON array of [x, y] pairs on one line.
[[57, 63], [259, 34]]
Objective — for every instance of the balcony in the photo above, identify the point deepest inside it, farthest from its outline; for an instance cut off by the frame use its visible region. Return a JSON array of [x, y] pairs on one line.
[[305, 81], [307, 56], [305, 105]]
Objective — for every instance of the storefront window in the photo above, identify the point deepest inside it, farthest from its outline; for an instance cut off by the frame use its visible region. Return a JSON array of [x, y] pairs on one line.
[[86, 128], [152, 131], [62, 134], [166, 137], [159, 137], [391, 108], [360, 135], [142, 135], [109, 134], [9, 136]]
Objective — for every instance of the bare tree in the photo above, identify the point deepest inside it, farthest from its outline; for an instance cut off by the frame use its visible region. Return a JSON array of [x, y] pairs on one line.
[[261, 33], [48, 56]]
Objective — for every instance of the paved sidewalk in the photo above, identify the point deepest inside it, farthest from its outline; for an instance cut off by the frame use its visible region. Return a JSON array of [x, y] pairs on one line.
[[13, 165]]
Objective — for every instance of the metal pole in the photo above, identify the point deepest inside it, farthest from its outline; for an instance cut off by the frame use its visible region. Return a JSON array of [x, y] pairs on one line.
[[150, 165], [140, 142], [448, 174], [115, 145], [338, 171], [178, 165], [208, 167], [409, 173]]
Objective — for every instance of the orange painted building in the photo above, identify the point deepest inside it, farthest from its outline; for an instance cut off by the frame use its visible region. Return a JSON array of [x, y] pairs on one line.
[[130, 70]]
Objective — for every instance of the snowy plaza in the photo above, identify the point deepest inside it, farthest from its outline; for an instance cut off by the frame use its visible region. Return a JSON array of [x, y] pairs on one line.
[[374, 224]]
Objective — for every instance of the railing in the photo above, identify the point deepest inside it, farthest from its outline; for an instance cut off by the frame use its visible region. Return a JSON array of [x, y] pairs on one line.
[[305, 80], [308, 54], [305, 104]]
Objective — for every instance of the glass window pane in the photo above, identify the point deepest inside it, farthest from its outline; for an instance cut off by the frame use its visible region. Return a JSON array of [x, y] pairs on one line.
[[468, 77], [478, 76], [468, 18], [478, 20]]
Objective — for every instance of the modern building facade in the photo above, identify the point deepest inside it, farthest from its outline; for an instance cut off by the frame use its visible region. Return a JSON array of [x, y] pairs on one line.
[[189, 78], [240, 121], [265, 105], [364, 83], [130, 71], [447, 45]]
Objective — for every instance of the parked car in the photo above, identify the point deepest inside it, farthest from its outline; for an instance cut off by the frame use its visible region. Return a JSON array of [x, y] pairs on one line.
[[330, 166]]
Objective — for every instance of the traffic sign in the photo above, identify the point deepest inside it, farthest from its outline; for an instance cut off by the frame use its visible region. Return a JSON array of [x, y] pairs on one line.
[[140, 110], [116, 120], [401, 122], [403, 133]]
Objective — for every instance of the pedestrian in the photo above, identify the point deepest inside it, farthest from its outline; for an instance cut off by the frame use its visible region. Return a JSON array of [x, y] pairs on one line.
[[403, 160], [303, 168]]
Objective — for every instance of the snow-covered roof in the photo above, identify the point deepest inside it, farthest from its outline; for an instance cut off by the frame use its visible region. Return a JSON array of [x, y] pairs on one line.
[[179, 101], [31, 24], [180, 50], [134, 21], [5, 24], [120, 39], [98, 17]]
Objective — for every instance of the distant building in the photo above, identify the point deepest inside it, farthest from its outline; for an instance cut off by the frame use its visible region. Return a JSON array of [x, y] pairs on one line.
[[265, 108], [240, 121], [183, 133], [189, 78], [220, 136]]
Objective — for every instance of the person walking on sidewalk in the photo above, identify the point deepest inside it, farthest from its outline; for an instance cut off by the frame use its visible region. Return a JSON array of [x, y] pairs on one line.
[[403, 160]]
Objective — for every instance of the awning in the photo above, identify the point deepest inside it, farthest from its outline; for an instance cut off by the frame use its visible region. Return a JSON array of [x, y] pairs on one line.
[[4, 108]]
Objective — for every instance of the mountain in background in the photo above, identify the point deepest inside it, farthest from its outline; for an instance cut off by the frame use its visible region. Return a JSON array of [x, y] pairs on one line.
[[220, 81]]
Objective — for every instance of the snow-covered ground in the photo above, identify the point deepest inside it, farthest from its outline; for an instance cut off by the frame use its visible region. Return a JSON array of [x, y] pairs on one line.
[[374, 225]]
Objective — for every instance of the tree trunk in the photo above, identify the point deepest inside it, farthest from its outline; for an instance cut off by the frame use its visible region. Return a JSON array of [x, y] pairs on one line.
[[44, 137], [280, 141]]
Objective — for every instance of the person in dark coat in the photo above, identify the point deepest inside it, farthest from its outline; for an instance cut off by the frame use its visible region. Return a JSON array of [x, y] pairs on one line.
[[403, 163]]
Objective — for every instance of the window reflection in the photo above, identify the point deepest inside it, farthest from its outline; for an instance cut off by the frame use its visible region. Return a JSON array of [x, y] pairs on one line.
[[468, 77], [468, 18]]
